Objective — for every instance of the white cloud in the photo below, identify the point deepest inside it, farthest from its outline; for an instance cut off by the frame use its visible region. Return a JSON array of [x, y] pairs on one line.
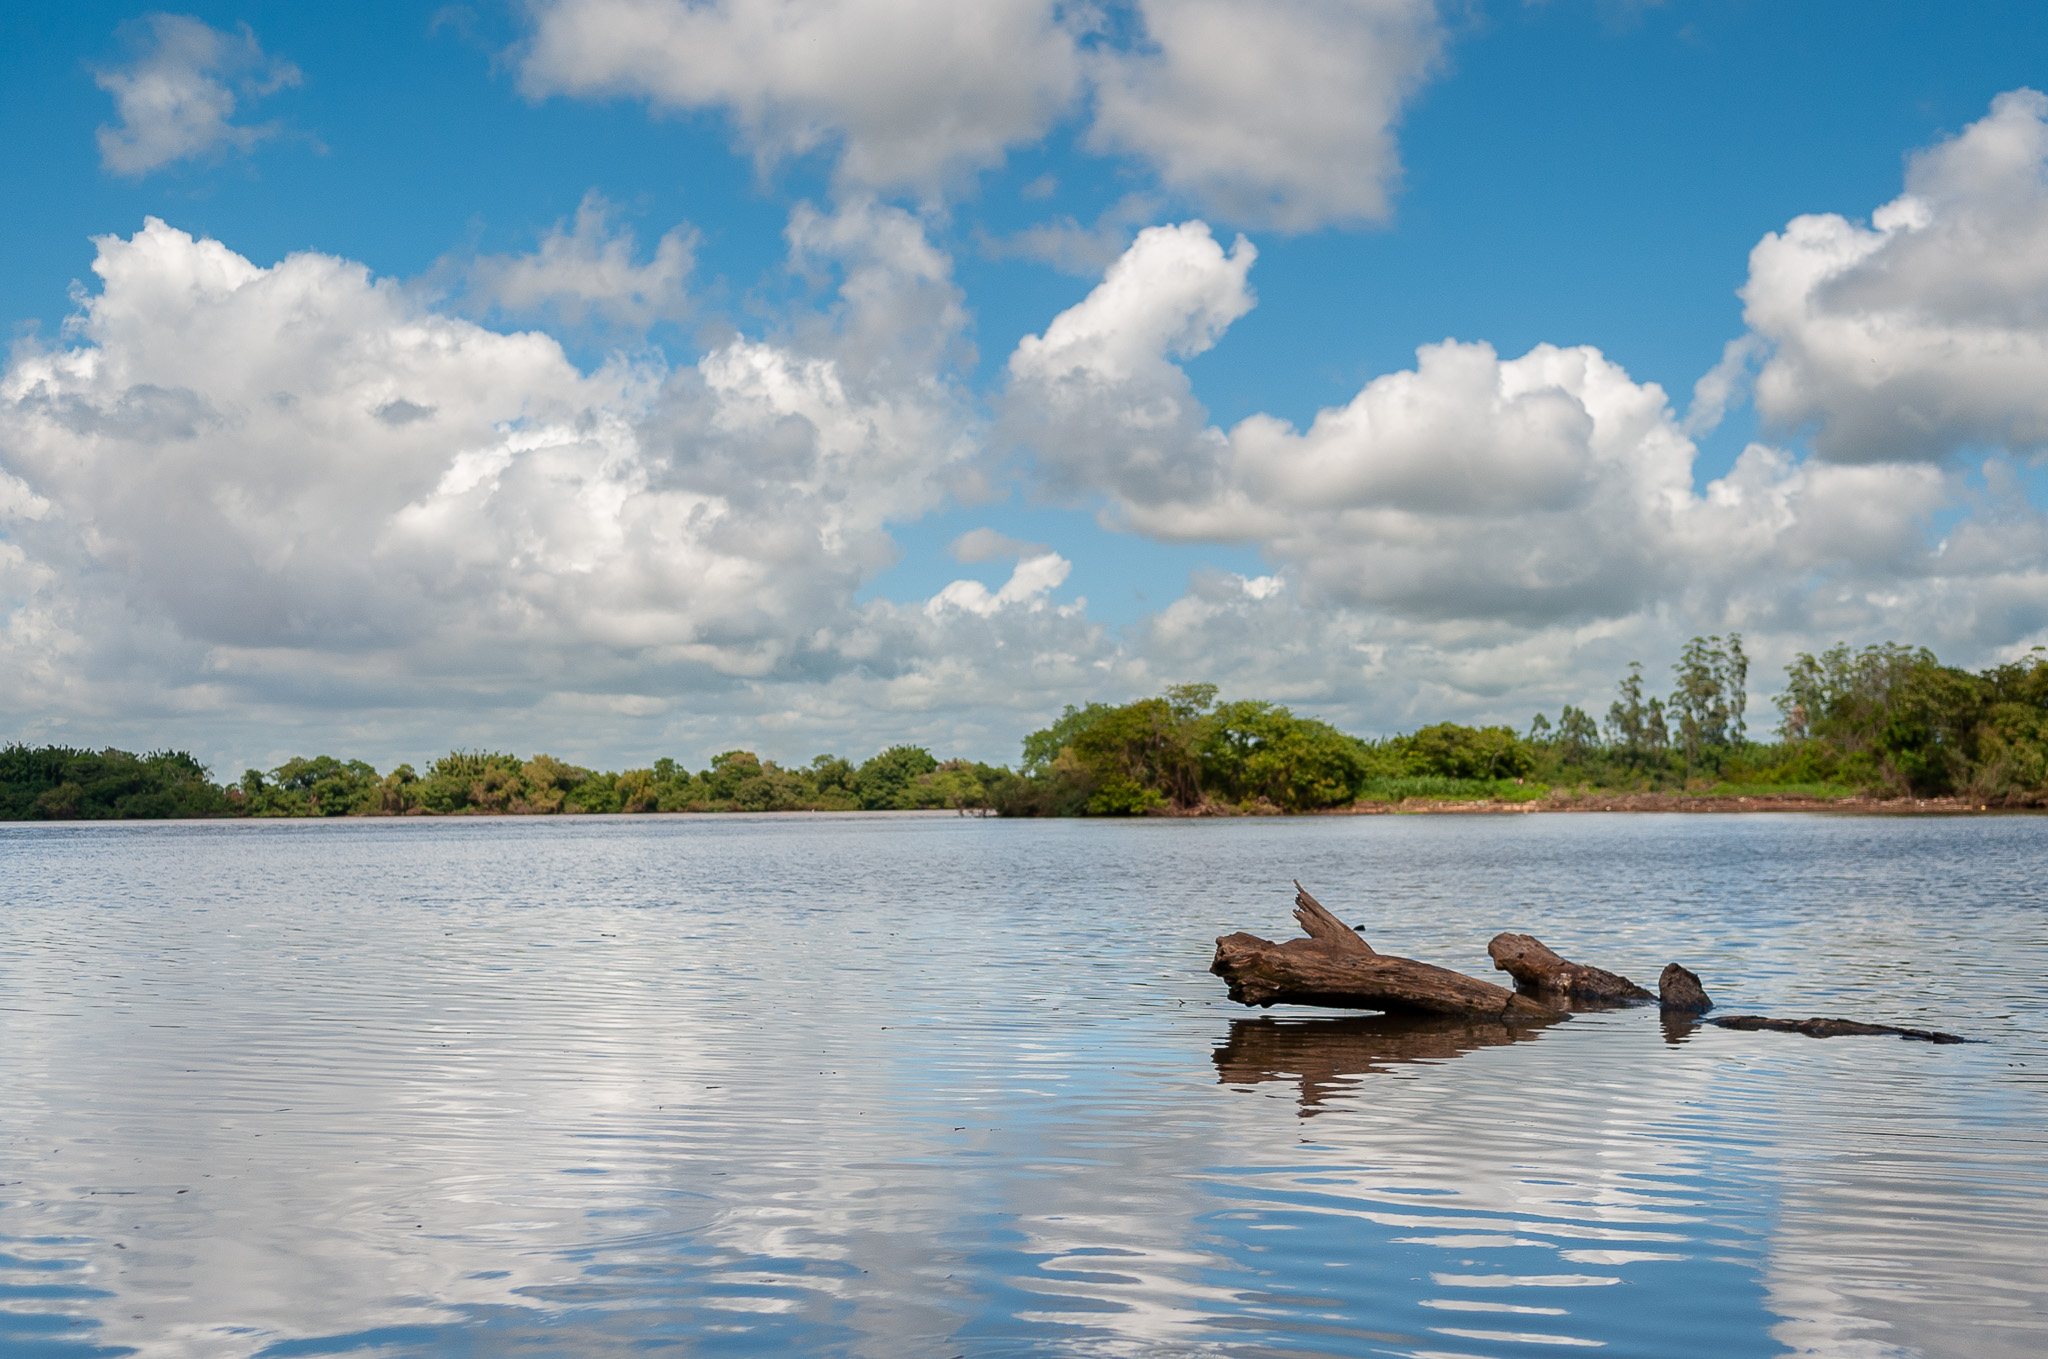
[[177, 97], [299, 486], [911, 92], [1031, 580], [1472, 486], [1270, 112], [1071, 248], [1476, 503], [259, 495], [975, 545], [1926, 331], [587, 269], [1277, 113], [1169, 296]]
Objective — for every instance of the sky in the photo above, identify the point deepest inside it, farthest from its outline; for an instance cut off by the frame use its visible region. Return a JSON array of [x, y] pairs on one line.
[[627, 378]]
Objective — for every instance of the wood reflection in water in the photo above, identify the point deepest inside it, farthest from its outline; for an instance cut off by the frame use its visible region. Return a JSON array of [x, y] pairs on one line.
[[1326, 1056]]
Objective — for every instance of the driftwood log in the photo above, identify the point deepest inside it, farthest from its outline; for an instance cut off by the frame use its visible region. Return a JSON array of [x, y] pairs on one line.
[[1333, 966], [1680, 990], [1541, 973], [1832, 1028]]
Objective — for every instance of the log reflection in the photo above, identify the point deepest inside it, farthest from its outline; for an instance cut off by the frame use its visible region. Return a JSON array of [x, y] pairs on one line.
[[1679, 1025], [1327, 1056]]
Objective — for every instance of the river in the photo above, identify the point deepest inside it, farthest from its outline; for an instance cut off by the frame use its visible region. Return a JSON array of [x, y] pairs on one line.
[[913, 1085]]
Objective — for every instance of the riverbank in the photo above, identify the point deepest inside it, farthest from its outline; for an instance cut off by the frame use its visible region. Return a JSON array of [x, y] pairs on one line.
[[1561, 801]]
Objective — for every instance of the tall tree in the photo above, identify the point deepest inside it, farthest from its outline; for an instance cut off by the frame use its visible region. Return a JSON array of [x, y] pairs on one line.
[[1711, 694]]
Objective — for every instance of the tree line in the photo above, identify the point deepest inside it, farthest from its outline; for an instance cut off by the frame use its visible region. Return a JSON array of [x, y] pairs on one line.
[[1887, 719]]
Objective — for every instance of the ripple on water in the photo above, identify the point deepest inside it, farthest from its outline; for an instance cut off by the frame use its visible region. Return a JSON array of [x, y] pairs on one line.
[[904, 1086]]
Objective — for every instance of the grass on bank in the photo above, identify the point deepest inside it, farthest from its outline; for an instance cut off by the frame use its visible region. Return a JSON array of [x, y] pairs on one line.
[[1436, 788]]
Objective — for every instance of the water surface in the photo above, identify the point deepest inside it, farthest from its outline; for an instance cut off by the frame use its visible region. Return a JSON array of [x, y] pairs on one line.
[[900, 1086]]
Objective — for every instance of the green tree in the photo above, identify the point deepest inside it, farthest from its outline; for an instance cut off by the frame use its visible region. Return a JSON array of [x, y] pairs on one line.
[[1140, 756], [465, 779], [1912, 719], [398, 792], [63, 783], [1627, 717], [318, 786], [544, 785], [1710, 695], [1448, 750], [1257, 752], [886, 780], [1042, 747], [728, 771], [1577, 736]]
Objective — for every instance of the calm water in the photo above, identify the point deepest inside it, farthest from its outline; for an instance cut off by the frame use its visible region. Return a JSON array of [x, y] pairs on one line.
[[933, 1086]]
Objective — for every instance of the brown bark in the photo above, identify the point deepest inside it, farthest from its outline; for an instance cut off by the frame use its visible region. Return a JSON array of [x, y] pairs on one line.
[[1832, 1028], [1334, 967], [1680, 990], [1326, 1056], [1541, 973]]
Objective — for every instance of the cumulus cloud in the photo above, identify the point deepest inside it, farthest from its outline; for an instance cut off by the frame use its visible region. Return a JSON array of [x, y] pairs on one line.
[[1536, 487], [1476, 499], [177, 98], [297, 479], [1270, 114], [1030, 582], [1927, 330], [297, 488], [586, 268], [911, 92]]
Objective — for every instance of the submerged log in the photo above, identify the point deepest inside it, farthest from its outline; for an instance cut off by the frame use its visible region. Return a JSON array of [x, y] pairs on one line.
[[1685, 1001], [1680, 990], [1334, 967], [1539, 972], [1832, 1028]]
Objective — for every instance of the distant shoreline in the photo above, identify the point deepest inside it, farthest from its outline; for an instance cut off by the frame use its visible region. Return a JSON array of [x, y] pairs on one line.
[[1705, 803], [1610, 803]]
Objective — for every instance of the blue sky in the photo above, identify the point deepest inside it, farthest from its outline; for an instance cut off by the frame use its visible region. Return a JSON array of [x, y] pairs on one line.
[[782, 268]]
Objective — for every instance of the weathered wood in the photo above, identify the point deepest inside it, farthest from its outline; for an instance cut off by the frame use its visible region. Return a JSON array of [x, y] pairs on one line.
[[1335, 967], [1678, 989], [1833, 1028], [1326, 929], [1327, 1056], [1542, 973]]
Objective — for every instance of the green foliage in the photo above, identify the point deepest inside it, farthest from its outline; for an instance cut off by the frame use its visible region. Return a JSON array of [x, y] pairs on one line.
[[1254, 752], [1577, 736], [320, 786], [1447, 750], [398, 793], [58, 783], [1183, 752], [891, 779], [1711, 694], [1437, 788], [1142, 745], [1636, 727], [1041, 748], [1919, 723]]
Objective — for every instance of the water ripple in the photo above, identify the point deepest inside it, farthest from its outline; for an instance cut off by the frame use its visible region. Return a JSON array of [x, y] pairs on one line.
[[909, 1086]]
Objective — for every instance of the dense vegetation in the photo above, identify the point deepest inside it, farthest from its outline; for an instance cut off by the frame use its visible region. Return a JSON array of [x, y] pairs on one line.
[[1889, 720]]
